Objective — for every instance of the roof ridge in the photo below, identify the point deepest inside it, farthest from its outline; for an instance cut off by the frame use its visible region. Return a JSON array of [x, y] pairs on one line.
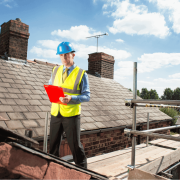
[[42, 62]]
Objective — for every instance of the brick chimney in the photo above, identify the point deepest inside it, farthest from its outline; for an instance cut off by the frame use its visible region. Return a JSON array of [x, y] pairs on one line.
[[102, 64], [14, 39]]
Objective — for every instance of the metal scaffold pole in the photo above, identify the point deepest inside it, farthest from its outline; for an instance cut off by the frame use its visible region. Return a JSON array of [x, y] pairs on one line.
[[147, 140], [45, 133], [134, 113]]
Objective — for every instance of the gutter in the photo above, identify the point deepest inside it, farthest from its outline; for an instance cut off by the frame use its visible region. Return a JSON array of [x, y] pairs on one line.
[[96, 131]]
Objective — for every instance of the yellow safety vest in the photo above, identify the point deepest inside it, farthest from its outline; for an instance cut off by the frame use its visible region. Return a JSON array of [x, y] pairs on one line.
[[71, 86]]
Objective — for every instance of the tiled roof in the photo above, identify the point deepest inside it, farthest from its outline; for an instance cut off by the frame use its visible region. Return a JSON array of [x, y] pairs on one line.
[[24, 102]]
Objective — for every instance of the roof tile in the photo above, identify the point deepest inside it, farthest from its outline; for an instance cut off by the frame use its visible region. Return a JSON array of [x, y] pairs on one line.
[[33, 108], [14, 90], [41, 122], [2, 123], [27, 86], [30, 83], [16, 116], [14, 124], [5, 108], [7, 80], [34, 102], [2, 89], [35, 96], [36, 92], [2, 95], [89, 119], [18, 108], [24, 96], [40, 131], [4, 116], [99, 125], [45, 102], [21, 101], [8, 101], [45, 108], [43, 114], [88, 126], [86, 113], [3, 84], [26, 91], [45, 97], [19, 81], [31, 115], [29, 123]]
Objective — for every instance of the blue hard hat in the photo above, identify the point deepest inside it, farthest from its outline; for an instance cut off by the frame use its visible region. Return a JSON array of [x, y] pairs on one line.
[[65, 47]]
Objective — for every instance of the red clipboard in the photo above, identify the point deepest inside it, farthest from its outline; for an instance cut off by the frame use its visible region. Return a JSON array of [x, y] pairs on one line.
[[54, 93]]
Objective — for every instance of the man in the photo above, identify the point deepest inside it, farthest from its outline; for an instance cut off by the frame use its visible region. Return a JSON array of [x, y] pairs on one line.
[[66, 118]]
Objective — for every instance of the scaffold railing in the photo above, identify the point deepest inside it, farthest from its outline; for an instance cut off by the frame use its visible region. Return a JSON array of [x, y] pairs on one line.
[[133, 103]]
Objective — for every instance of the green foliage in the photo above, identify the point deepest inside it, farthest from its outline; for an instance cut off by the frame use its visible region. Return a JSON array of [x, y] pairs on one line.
[[170, 112], [168, 94], [144, 93], [152, 94], [138, 93], [130, 89], [176, 94]]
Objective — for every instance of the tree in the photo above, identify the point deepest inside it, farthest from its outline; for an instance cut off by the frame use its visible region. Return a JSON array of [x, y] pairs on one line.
[[153, 94], [144, 93], [138, 93], [168, 94], [176, 94], [170, 112]]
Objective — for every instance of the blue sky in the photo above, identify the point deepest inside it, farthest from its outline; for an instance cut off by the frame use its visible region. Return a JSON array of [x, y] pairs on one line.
[[143, 31]]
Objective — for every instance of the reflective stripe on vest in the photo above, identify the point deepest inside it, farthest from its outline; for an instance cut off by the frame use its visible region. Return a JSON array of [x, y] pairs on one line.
[[74, 90], [71, 86]]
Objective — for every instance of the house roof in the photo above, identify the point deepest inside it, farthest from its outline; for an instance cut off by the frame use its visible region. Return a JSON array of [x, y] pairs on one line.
[[24, 102]]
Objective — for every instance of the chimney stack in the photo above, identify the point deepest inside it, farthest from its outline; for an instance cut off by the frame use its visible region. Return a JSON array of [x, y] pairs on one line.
[[102, 64], [14, 39]]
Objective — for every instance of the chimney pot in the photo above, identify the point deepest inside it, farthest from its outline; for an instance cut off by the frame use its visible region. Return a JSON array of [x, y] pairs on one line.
[[18, 19]]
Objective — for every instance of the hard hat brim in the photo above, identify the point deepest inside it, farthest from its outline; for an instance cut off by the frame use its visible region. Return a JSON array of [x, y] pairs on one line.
[[65, 53]]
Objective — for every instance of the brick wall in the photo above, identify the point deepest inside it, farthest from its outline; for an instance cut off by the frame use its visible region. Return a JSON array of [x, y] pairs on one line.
[[109, 141], [101, 63], [14, 39]]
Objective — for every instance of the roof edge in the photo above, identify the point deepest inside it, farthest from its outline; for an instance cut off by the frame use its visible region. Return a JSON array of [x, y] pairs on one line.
[[41, 138]]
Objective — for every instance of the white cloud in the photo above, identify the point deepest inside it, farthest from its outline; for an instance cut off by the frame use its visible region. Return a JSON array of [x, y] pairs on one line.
[[45, 53], [135, 19], [172, 7], [145, 82], [7, 5], [125, 69], [169, 81], [120, 40], [76, 33], [49, 44], [177, 75], [82, 50], [150, 62], [147, 24]]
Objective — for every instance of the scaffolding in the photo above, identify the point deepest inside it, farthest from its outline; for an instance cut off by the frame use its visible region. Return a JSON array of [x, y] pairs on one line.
[[133, 103]]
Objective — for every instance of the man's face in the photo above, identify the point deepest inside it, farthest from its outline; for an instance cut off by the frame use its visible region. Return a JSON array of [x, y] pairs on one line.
[[67, 59]]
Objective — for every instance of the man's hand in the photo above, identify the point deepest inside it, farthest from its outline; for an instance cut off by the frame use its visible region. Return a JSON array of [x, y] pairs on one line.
[[65, 99]]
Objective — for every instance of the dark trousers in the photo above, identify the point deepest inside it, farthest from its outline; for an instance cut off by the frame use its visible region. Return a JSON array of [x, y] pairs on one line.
[[71, 126]]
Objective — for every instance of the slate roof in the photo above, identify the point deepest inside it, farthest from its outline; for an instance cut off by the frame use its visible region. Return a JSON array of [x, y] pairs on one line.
[[24, 102]]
